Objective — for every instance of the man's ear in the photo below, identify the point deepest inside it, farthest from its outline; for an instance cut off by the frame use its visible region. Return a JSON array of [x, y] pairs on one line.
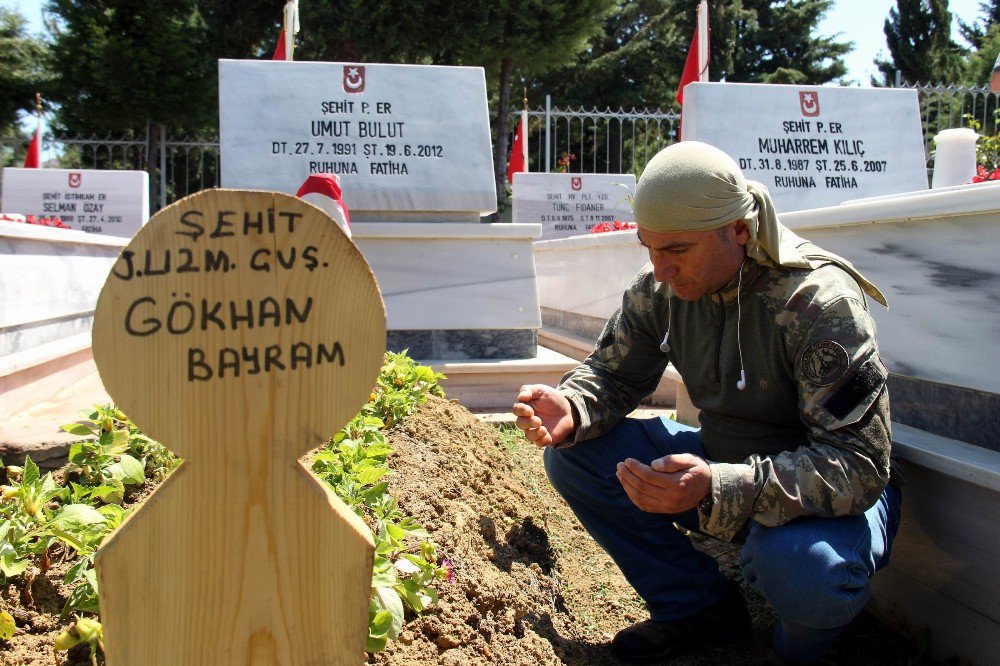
[[742, 231]]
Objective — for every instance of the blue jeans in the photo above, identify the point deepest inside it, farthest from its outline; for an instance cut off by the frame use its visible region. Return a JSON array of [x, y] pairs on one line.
[[813, 571]]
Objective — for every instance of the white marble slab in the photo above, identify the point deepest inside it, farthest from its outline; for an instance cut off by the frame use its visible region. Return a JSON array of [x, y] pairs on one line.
[[453, 276], [401, 137], [962, 200], [49, 283], [813, 146], [587, 274], [112, 203], [568, 204], [942, 282]]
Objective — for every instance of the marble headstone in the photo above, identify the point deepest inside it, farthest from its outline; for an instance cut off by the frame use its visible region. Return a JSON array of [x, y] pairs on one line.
[[572, 204], [401, 137], [114, 203], [812, 146], [411, 145]]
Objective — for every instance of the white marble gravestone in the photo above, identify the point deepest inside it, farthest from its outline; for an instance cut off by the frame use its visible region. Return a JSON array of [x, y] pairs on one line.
[[411, 145], [812, 146], [566, 204], [401, 137], [114, 203]]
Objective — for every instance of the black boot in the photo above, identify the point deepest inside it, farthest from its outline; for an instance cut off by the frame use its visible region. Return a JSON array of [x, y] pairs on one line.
[[728, 621]]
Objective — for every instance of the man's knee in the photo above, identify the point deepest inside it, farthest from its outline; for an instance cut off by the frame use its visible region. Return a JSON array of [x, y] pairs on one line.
[[803, 577], [575, 467]]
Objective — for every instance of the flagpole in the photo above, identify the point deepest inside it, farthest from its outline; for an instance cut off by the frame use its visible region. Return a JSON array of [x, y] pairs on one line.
[[38, 112], [524, 127], [291, 22], [703, 41]]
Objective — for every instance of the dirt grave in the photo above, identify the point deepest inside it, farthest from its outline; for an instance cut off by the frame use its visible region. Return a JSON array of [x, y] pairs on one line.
[[529, 587]]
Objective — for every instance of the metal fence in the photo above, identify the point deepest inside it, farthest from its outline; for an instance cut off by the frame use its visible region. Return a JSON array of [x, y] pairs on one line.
[[575, 141], [580, 141]]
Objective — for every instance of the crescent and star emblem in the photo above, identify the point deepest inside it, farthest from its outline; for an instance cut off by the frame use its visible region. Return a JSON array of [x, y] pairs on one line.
[[354, 79]]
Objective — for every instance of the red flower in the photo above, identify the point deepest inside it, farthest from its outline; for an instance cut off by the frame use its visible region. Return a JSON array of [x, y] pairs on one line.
[[983, 175], [617, 225]]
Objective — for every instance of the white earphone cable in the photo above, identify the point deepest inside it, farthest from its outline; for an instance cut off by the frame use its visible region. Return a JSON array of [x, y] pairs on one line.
[[742, 383]]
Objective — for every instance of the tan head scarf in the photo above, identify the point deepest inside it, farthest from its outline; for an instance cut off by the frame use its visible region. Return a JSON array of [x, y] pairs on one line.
[[692, 186]]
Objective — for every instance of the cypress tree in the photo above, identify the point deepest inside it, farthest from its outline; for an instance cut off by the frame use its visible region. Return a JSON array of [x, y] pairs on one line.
[[918, 34]]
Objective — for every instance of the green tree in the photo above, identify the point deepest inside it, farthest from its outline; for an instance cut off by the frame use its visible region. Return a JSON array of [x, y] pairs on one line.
[[638, 59], [523, 38], [633, 62], [980, 63], [975, 32], [22, 69], [776, 42], [393, 31], [123, 64], [918, 34]]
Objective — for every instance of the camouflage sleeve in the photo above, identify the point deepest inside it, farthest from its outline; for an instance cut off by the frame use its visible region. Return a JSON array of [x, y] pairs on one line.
[[624, 367], [845, 407]]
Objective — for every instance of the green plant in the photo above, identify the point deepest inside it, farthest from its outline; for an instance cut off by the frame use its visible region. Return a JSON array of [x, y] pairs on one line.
[[37, 514], [114, 454], [988, 145], [33, 520], [510, 437], [402, 385], [354, 464], [84, 630], [82, 577]]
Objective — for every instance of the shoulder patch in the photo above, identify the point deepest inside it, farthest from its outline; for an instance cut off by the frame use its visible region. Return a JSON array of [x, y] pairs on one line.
[[824, 362], [869, 379]]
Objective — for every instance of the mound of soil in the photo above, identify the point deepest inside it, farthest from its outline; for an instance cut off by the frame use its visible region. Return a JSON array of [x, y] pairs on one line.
[[530, 586]]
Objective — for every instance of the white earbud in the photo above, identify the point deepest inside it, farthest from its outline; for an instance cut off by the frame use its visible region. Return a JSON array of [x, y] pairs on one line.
[[742, 383], [665, 346]]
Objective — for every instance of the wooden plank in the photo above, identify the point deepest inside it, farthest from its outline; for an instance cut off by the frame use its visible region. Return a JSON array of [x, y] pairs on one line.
[[241, 329]]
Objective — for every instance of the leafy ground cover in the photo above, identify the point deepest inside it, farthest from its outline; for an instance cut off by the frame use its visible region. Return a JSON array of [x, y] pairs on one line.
[[477, 559]]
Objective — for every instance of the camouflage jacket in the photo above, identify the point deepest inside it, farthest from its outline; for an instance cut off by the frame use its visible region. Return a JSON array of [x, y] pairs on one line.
[[809, 435]]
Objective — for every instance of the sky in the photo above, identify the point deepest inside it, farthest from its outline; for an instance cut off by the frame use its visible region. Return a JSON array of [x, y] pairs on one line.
[[859, 21]]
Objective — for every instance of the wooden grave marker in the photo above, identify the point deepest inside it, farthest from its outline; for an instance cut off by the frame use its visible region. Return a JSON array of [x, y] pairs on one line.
[[240, 329]]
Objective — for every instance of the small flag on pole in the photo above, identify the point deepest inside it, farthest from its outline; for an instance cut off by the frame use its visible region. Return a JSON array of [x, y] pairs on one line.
[[690, 73], [33, 160], [696, 65], [290, 27], [279, 50], [323, 190], [519, 151]]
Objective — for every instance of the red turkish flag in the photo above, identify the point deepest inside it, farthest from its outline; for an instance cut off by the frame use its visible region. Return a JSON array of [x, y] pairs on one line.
[[519, 151], [279, 50], [690, 73], [33, 160]]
